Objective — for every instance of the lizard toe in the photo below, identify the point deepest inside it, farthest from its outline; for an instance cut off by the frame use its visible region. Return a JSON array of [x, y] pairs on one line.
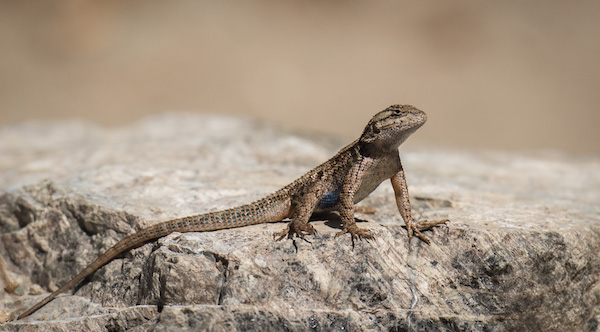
[[295, 229], [278, 236], [356, 233], [416, 228]]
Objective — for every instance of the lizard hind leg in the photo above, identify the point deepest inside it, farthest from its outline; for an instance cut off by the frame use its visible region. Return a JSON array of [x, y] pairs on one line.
[[302, 211]]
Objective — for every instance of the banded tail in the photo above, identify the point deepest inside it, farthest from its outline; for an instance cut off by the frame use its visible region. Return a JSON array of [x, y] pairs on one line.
[[272, 208]]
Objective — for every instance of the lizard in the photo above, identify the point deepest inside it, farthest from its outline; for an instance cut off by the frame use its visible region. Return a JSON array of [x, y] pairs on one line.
[[335, 185]]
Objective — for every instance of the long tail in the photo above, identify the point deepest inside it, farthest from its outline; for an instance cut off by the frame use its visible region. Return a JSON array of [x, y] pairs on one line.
[[272, 208]]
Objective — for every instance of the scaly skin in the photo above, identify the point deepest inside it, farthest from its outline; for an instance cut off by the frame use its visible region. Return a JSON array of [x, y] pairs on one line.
[[337, 184]]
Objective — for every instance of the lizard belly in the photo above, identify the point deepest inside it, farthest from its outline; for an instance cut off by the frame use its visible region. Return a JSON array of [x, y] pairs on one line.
[[378, 172], [330, 200]]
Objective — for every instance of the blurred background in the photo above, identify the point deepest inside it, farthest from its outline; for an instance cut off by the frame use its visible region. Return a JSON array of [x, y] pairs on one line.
[[506, 75]]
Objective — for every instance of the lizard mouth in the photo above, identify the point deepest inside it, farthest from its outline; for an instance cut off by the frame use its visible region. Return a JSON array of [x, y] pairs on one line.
[[389, 126], [392, 125]]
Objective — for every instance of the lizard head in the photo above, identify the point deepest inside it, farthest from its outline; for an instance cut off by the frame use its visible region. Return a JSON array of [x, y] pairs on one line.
[[392, 126]]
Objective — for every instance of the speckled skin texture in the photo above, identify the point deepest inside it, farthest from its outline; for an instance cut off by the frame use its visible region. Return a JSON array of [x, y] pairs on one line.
[[337, 184]]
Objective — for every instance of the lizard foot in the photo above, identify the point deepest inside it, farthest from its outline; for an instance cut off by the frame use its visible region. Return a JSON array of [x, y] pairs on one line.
[[356, 233], [416, 227], [295, 228]]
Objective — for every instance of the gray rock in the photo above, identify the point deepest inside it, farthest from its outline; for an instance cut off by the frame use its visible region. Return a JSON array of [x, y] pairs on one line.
[[520, 253]]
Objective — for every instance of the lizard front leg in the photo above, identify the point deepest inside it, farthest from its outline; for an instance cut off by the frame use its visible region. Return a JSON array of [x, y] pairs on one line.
[[350, 185], [403, 203]]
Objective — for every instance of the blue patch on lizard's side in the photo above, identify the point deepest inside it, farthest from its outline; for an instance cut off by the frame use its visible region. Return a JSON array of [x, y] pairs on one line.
[[329, 200]]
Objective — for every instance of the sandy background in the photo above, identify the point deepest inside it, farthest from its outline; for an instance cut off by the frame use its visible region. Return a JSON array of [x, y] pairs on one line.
[[504, 75]]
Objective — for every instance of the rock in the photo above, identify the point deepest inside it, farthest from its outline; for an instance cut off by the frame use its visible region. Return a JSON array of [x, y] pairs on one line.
[[520, 252]]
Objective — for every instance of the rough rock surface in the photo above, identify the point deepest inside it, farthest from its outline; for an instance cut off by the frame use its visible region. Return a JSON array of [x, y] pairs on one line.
[[520, 253]]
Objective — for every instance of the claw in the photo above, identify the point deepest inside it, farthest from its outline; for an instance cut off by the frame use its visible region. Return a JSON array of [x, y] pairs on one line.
[[421, 236], [415, 228], [278, 236], [356, 233], [295, 228]]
